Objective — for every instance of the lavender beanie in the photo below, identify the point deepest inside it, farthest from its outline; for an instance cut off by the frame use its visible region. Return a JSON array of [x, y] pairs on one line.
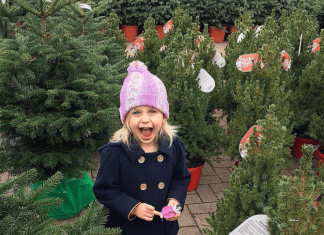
[[141, 88]]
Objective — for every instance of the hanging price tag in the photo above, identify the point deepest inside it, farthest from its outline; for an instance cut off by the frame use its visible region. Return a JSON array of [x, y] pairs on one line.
[[258, 29], [85, 6], [219, 60], [241, 37], [246, 140], [316, 45], [245, 62], [167, 27], [138, 45], [286, 60], [206, 82]]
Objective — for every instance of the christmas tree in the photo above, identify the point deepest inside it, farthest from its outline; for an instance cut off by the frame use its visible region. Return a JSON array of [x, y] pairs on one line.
[[254, 182], [297, 212], [25, 212], [59, 95], [189, 105], [309, 96], [151, 54], [249, 94]]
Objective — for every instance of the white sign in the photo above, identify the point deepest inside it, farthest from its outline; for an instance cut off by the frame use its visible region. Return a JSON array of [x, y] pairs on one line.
[[255, 225], [206, 82]]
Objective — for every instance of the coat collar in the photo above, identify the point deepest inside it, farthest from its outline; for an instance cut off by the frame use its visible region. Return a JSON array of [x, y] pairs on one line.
[[135, 151]]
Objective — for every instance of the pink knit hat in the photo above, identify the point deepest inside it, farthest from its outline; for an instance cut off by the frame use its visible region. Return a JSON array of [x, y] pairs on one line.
[[141, 88]]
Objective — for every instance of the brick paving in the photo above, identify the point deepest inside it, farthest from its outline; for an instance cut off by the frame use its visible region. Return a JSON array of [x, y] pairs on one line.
[[201, 202]]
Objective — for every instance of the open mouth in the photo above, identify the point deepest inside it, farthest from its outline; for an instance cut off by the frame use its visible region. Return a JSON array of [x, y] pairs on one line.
[[146, 132]]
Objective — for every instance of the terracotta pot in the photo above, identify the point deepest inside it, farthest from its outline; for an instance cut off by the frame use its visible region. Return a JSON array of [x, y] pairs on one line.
[[299, 142], [130, 32], [159, 29], [217, 34], [195, 177], [320, 153]]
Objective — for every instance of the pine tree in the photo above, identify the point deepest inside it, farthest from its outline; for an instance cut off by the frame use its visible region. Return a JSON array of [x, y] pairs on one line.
[[10, 17], [188, 104], [254, 182], [26, 212], [251, 93], [297, 212], [309, 96], [151, 55], [58, 102]]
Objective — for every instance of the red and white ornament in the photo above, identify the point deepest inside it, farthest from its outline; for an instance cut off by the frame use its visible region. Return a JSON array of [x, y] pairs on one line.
[[246, 140]]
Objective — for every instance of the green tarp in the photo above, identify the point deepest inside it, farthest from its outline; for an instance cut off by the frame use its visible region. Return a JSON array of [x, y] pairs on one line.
[[76, 195]]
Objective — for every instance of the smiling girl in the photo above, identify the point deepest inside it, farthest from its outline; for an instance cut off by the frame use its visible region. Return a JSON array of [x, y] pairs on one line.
[[143, 168]]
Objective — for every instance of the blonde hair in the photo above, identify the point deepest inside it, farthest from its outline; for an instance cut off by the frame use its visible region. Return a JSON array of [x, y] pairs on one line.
[[167, 132]]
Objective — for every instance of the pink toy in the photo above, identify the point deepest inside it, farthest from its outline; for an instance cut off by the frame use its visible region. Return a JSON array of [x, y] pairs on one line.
[[170, 211]]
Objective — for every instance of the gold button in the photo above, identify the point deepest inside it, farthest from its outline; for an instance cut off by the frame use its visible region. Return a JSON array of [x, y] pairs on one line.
[[161, 185], [141, 159], [143, 187], [160, 158]]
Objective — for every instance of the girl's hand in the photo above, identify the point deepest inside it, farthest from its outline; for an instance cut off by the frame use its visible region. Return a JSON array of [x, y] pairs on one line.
[[145, 212], [170, 203]]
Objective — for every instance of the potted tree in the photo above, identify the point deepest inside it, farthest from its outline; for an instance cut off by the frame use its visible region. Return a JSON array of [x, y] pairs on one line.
[[309, 96], [178, 70]]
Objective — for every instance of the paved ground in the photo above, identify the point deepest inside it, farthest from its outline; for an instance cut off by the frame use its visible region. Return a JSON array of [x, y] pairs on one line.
[[201, 202]]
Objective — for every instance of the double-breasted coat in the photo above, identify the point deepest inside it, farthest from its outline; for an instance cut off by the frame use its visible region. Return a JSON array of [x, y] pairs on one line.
[[128, 176]]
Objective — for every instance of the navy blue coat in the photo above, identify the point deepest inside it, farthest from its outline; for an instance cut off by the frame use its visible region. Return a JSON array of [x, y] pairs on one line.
[[121, 174]]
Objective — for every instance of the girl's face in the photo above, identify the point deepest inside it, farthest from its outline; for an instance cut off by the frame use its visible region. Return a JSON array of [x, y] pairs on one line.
[[145, 123]]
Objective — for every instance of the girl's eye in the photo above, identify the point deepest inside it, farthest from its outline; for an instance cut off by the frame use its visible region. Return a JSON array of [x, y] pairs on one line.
[[135, 112], [153, 111]]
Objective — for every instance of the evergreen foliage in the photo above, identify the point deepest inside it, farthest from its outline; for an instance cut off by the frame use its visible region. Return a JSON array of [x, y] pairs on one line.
[[189, 106], [151, 56], [26, 212], [249, 94], [296, 212], [59, 95], [254, 183], [10, 16], [309, 96]]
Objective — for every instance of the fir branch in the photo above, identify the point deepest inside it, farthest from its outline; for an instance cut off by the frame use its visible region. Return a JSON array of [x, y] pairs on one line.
[[58, 7], [25, 5]]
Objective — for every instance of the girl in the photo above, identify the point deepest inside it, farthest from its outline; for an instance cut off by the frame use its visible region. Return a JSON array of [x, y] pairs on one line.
[[143, 168]]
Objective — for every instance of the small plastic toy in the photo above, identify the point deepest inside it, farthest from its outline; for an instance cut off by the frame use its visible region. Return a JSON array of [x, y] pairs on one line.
[[170, 211]]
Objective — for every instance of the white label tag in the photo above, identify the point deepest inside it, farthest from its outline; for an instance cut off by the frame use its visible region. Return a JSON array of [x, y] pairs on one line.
[[241, 37], [255, 225], [301, 36], [206, 82], [85, 6], [220, 61]]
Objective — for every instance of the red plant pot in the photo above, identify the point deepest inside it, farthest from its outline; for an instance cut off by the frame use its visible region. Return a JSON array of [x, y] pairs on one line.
[[217, 34], [159, 29], [299, 142], [130, 32], [320, 153], [195, 177]]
